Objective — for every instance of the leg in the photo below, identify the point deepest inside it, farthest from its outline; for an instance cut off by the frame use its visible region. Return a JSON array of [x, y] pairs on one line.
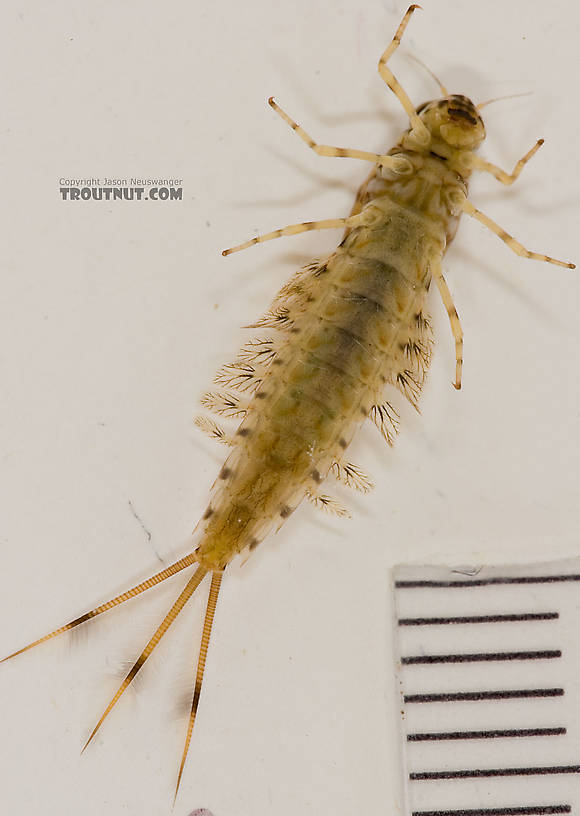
[[294, 229], [396, 163], [183, 598], [506, 178], [418, 129], [456, 329], [511, 242], [216, 579]]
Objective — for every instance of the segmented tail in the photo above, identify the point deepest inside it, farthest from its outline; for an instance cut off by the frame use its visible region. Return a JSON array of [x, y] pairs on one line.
[[216, 580], [191, 586], [183, 598], [187, 561]]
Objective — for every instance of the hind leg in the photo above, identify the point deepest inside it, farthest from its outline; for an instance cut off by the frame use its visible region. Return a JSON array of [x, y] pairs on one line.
[[295, 229], [454, 321]]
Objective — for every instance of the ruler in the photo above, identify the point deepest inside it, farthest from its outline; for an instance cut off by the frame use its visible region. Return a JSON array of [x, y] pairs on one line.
[[488, 663]]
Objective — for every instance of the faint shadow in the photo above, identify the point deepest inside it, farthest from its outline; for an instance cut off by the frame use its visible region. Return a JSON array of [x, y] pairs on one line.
[[508, 285]]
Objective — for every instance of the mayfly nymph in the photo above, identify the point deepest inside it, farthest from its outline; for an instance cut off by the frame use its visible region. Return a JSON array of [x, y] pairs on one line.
[[337, 337]]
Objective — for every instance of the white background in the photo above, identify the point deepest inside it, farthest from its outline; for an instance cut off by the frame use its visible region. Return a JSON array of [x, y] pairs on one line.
[[114, 317]]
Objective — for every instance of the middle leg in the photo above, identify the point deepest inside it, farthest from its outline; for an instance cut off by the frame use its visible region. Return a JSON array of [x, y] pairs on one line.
[[508, 239]]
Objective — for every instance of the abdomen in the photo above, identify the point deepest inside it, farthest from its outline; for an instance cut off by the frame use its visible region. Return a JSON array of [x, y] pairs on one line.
[[347, 341]]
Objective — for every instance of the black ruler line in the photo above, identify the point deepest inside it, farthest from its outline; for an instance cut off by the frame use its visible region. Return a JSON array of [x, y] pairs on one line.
[[478, 773], [547, 654], [494, 734], [479, 582], [478, 696], [524, 616], [521, 810]]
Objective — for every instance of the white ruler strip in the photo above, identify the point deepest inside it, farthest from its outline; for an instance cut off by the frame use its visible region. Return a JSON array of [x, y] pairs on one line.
[[489, 669]]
